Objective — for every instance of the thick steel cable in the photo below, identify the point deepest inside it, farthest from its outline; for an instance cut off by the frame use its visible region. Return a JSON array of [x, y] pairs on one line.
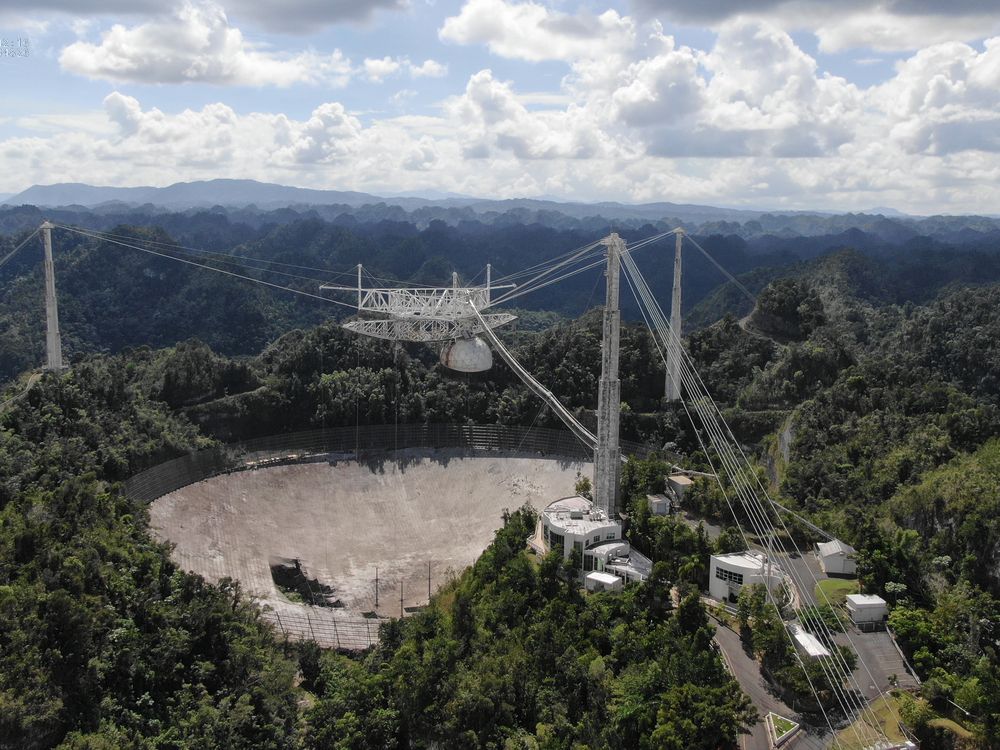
[[536, 281], [210, 268], [523, 290], [718, 477], [731, 440], [755, 510], [176, 246], [24, 242], [753, 506], [754, 520]]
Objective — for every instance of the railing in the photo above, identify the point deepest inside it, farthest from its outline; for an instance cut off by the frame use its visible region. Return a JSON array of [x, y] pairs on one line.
[[355, 442]]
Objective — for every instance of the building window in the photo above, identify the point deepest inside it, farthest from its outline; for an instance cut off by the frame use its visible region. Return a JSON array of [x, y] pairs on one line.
[[611, 535], [588, 562], [557, 541], [727, 575], [597, 538]]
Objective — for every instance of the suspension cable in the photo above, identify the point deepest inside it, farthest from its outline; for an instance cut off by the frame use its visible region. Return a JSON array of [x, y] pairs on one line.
[[210, 268], [755, 509]]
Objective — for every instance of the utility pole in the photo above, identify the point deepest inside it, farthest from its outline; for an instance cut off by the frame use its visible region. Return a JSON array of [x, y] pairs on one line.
[[53, 344], [376, 587], [607, 455], [673, 389], [400, 598], [428, 581]]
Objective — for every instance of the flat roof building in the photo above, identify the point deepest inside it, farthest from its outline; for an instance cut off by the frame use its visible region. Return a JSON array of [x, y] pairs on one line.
[[659, 505], [866, 608], [575, 523], [597, 581], [731, 572], [679, 484]]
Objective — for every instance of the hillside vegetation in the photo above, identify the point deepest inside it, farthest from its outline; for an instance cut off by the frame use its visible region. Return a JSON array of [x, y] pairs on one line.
[[875, 411]]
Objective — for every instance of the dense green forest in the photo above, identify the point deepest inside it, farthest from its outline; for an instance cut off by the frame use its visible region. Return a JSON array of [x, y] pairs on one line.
[[865, 383]]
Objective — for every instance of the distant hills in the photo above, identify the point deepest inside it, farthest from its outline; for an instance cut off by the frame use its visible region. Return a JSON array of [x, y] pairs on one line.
[[258, 203], [241, 193]]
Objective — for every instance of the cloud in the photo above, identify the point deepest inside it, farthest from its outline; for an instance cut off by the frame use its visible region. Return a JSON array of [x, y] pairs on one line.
[[895, 25], [289, 16], [379, 68], [429, 69], [197, 44], [750, 119], [944, 99], [495, 120], [533, 32], [755, 93]]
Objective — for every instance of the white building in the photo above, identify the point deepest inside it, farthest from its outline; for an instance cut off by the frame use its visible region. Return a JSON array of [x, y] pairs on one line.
[[837, 558], [574, 523], [679, 484], [730, 573], [597, 581], [659, 505], [866, 608]]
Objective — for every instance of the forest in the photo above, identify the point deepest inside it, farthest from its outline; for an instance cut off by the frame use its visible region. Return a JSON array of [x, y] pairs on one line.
[[864, 382]]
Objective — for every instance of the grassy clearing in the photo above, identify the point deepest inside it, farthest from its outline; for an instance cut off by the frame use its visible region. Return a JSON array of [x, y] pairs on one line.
[[952, 726], [860, 735], [836, 590]]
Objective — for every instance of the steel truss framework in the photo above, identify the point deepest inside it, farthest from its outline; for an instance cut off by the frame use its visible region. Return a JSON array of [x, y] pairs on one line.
[[424, 313]]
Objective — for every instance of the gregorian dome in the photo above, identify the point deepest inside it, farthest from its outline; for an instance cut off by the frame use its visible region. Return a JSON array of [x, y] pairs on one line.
[[470, 354]]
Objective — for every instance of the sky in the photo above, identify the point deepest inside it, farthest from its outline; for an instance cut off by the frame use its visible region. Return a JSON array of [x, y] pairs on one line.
[[766, 104]]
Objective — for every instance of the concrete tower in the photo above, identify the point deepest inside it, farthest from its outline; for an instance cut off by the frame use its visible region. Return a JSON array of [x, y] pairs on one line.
[[53, 344], [607, 455], [673, 389]]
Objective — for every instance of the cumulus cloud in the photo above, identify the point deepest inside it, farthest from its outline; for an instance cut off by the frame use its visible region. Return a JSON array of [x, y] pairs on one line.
[[196, 44], [379, 68], [534, 32], [429, 69], [846, 24], [944, 99], [750, 119], [291, 16]]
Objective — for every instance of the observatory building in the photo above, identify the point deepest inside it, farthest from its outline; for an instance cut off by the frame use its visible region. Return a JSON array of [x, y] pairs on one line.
[[730, 573], [576, 524]]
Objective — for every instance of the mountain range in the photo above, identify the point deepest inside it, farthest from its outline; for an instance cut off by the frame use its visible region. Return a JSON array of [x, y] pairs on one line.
[[240, 193]]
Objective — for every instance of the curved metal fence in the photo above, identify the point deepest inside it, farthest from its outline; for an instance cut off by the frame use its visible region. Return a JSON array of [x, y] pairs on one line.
[[358, 443]]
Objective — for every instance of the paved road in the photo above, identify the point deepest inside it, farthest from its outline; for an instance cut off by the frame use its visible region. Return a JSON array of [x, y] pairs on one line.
[[807, 570], [747, 674]]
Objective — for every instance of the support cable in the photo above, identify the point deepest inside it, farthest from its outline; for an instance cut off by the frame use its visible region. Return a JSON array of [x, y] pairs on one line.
[[200, 251], [756, 513], [728, 439], [716, 473], [24, 242], [210, 268]]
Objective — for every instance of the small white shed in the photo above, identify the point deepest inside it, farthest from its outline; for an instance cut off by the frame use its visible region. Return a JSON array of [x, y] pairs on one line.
[[866, 608], [679, 484], [597, 581], [837, 558], [659, 505]]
